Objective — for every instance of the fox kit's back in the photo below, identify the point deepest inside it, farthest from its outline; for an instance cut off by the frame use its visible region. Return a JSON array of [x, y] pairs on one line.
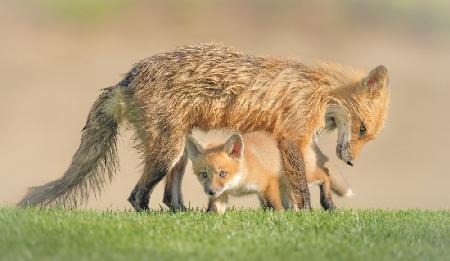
[[262, 149]]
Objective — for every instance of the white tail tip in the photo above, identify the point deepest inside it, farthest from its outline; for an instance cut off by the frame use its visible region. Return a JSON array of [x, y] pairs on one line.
[[349, 194]]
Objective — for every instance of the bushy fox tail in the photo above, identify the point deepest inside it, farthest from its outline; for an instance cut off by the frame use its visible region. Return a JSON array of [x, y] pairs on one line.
[[93, 164], [339, 184]]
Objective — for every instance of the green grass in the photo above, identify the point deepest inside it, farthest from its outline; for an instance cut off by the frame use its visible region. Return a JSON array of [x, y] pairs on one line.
[[53, 234]]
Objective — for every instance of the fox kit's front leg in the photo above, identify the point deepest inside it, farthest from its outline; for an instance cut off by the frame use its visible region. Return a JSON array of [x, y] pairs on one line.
[[295, 172], [218, 204], [271, 195], [264, 203]]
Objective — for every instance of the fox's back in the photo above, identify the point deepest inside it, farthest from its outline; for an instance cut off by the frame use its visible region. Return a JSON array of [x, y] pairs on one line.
[[215, 66], [212, 87], [215, 71]]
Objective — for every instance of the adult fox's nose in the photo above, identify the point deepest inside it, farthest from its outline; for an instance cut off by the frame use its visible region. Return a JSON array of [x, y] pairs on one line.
[[211, 192]]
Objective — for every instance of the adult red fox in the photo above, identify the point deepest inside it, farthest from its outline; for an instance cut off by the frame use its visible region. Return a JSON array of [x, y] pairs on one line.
[[210, 86], [252, 166]]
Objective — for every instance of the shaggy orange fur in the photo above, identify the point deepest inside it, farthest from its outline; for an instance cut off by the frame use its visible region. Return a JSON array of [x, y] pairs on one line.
[[210, 86]]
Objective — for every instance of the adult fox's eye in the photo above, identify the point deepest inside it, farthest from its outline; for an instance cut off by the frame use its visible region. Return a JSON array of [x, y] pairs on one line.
[[362, 129], [223, 173], [204, 175]]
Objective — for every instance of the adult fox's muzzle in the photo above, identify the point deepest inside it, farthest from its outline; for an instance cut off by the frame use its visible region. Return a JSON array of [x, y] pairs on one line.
[[344, 153]]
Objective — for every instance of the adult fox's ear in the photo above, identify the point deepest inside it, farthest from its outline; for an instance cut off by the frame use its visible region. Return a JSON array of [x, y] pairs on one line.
[[194, 149], [234, 146], [377, 80]]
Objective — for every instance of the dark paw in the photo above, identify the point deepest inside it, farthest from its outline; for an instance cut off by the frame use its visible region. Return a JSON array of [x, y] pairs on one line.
[[139, 199], [174, 206], [179, 207], [327, 204], [167, 200]]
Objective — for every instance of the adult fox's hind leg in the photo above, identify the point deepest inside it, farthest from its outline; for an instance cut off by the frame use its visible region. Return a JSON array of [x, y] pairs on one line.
[[173, 198], [158, 160], [140, 196]]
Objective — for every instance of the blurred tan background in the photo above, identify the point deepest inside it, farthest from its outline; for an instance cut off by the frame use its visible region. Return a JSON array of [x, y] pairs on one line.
[[56, 55]]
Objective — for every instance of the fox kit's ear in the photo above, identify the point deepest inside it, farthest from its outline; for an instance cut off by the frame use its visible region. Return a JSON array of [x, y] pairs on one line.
[[376, 80], [194, 149], [234, 146]]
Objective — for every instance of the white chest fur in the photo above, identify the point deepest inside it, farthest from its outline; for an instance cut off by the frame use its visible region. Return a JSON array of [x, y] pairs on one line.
[[244, 189]]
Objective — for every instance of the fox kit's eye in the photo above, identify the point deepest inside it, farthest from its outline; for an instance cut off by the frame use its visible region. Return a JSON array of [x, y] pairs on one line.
[[362, 129], [203, 174], [223, 173]]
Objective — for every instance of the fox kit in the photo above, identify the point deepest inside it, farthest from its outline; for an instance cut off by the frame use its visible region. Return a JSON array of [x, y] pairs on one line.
[[210, 86], [250, 164], [235, 168]]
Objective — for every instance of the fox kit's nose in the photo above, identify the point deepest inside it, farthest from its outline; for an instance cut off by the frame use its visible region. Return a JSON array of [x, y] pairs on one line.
[[211, 192]]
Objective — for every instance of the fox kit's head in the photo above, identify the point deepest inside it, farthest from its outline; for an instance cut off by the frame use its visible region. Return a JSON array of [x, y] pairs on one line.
[[360, 115], [218, 168]]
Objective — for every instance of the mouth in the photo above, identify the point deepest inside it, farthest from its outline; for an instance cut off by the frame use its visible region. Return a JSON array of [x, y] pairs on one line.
[[342, 152]]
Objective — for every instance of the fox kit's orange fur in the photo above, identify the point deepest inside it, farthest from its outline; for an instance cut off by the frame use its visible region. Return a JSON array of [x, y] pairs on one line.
[[258, 170], [210, 86], [237, 167]]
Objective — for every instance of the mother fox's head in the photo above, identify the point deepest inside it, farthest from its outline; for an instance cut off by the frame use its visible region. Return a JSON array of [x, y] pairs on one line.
[[358, 110]]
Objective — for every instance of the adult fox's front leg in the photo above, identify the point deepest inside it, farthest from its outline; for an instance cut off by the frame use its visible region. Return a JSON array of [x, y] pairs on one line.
[[295, 172]]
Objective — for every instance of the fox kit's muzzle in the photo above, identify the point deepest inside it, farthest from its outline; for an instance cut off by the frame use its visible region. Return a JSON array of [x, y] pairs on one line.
[[211, 192]]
